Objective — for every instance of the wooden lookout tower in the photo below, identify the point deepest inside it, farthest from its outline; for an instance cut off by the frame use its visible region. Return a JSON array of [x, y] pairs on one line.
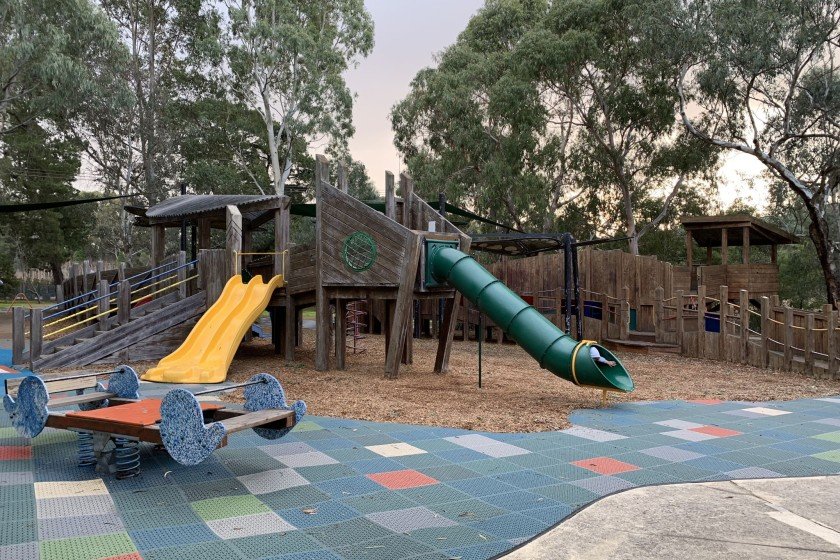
[[724, 232]]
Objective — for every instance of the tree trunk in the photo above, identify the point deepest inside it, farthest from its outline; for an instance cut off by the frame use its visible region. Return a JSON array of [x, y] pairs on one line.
[[58, 275], [630, 220], [827, 257]]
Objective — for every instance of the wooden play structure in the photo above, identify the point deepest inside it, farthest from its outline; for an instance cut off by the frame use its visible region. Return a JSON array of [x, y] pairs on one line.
[[112, 419], [360, 253]]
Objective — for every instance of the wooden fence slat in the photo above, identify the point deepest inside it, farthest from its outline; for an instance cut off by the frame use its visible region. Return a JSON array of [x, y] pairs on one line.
[[18, 334], [744, 303], [788, 326], [701, 321], [659, 313], [680, 328], [765, 331], [809, 344], [724, 296]]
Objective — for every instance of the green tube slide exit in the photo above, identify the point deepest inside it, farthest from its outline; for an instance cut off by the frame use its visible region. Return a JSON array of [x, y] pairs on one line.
[[551, 347]]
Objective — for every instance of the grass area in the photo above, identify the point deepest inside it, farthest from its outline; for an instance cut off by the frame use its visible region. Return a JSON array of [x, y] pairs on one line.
[[5, 304]]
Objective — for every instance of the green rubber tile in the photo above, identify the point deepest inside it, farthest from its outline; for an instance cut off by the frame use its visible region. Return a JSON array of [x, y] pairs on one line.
[[8, 433], [274, 545], [379, 501], [213, 489], [449, 472], [16, 465], [350, 454], [567, 494], [434, 494], [386, 548], [213, 550], [832, 436], [829, 456], [467, 510], [88, 548], [348, 533], [448, 537], [49, 437], [258, 462], [16, 493], [154, 518], [488, 467], [17, 511], [433, 445], [297, 496], [229, 506], [150, 498], [19, 531], [307, 426], [321, 473]]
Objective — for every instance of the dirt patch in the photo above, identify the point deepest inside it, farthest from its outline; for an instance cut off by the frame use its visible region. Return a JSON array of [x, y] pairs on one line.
[[517, 395]]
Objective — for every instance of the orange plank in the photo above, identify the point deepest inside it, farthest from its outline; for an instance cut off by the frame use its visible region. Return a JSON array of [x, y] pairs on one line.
[[140, 413]]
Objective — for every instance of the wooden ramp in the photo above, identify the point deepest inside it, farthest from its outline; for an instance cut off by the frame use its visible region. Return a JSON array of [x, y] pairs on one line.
[[103, 344]]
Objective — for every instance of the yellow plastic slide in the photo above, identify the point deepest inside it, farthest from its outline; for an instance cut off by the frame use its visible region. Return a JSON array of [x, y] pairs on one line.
[[206, 354]]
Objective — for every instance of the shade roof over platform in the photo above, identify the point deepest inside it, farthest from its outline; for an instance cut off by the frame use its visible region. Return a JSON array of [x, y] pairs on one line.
[[524, 244], [707, 231]]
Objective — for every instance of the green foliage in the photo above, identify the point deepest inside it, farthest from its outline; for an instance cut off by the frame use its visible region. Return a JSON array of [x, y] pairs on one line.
[[552, 115], [287, 59], [39, 167]]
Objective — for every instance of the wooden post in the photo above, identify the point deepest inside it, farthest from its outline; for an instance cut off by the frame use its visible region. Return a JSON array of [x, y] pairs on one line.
[[247, 247], [281, 239], [788, 338], [744, 304], [85, 272], [158, 245], [182, 275], [724, 246], [709, 255], [36, 335], [405, 297], [121, 272], [233, 238], [340, 332], [745, 250], [342, 179], [809, 344], [407, 189], [124, 303], [290, 330], [98, 270], [624, 326], [765, 331], [689, 251], [724, 298], [322, 304], [659, 313], [18, 334], [831, 340], [59, 293], [204, 233], [680, 305], [74, 272], [103, 304], [605, 315], [774, 253], [701, 321], [390, 196]]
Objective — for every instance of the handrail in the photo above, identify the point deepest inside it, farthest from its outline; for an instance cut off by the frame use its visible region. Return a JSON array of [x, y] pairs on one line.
[[66, 301], [165, 273]]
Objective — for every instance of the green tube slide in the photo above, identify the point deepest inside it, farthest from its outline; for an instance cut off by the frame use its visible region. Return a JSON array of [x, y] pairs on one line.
[[551, 347]]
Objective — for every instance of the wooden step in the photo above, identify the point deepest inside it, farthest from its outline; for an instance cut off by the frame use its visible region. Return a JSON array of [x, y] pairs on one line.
[[642, 336], [641, 347]]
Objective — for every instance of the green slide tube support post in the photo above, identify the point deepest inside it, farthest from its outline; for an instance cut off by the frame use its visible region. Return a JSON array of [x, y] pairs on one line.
[[553, 349]]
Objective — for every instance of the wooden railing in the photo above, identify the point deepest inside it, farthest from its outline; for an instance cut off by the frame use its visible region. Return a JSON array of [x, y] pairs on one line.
[[766, 335], [110, 304]]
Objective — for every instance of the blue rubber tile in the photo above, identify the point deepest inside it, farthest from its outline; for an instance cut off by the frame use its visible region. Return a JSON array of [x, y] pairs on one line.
[[332, 443], [479, 552], [297, 496], [421, 461], [164, 537], [348, 533], [525, 479], [683, 472], [646, 477], [464, 511], [446, 473], [385, 548], [379, 501], [322, 473], [603, 485], [347, 455], [313, 555], [517, 501], [211, 550], [438, 494], [18, 532], [434, 445], [23, 551], [490, 467], [567, 493], [274, 545], [511, 526], [326, 513], [350, 486], [479, 487], [714, 464], [456, 535], [378, 465], [461, 455], [752, 472], [550, 514], [167, 516], [804, 446], [565, 472]]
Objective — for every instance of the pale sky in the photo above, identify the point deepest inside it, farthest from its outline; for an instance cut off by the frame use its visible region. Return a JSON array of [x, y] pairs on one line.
[[408, 35]]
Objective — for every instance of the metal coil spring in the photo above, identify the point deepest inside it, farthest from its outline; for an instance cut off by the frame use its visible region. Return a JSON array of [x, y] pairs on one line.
[[86, 456], [127, 454]]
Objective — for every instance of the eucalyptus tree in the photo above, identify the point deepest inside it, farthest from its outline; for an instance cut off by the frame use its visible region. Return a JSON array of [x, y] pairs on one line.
[[762, 78], [286, 60], [50, 51]]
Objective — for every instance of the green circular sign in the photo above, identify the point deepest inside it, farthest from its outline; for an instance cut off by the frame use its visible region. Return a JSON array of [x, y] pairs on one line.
[[359, 251]]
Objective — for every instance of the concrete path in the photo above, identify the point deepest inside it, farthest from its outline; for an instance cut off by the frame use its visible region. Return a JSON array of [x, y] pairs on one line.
[[788, 518]]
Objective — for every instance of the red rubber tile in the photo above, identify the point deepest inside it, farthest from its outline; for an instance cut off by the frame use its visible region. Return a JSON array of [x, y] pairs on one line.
[[605, 465], [705, 401], [400, 480], [715, 431], [12, 452]]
